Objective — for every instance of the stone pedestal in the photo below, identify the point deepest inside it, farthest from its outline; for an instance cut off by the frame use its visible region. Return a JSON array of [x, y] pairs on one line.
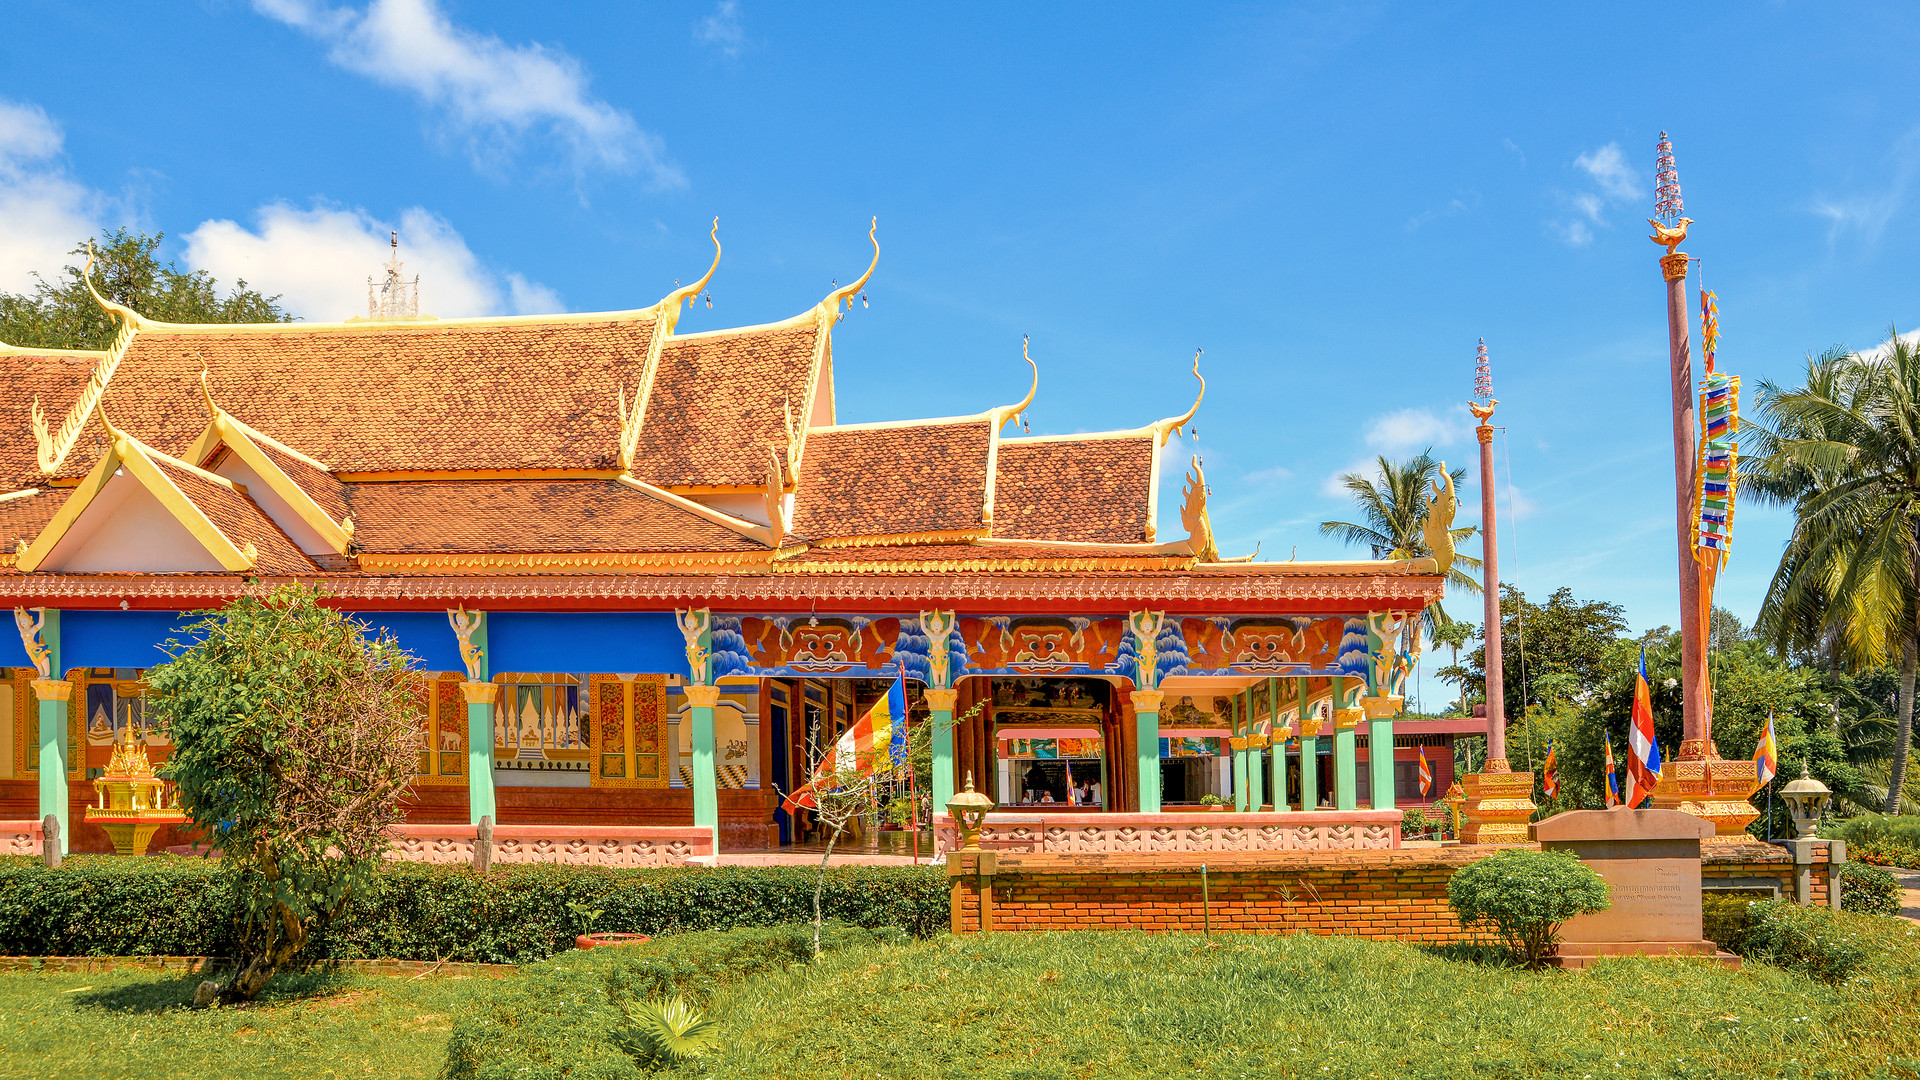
[[1499, 802], [1684, 786], [1650, 860]]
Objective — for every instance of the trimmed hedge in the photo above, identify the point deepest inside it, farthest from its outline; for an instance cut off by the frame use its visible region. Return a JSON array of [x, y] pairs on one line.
[[563, 1017], [169, 906], [1881, 839], [1869, 890]]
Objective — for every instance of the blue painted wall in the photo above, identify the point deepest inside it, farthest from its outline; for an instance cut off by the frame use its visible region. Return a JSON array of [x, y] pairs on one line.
[[584, 641]]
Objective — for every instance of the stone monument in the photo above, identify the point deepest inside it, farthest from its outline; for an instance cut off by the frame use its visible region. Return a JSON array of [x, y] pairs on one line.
[[1650, 860]]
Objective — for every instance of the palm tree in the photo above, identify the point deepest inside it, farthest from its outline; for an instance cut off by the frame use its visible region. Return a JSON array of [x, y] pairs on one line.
[[1454, 636], [1844, 452], [1394, 504]]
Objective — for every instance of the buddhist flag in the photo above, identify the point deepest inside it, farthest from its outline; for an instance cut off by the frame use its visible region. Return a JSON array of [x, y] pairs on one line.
[[1613, 779], [1766, 756], [876, 743], [1426, 775], [1643, 753], [1551, 781]]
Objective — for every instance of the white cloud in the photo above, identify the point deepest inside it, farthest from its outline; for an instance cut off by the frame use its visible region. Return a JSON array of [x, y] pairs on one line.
[[722, 29], [43, 211], [319, 260], [1869, 213], [1616, 183], [1609, 168], [1409, 431], [491, 93]]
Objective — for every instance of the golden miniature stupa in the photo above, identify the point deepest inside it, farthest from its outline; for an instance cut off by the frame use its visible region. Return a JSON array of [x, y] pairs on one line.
[[132, 800]]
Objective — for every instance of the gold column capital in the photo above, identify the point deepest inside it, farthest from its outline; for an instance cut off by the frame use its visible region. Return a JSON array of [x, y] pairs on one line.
[[1674, 266], [1484, 433], [479, 693], [1148, 700], [52, 689], [942, 700], [1347, 719], [703, 697]]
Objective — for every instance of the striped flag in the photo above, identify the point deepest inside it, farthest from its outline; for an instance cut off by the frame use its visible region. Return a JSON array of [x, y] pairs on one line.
[[1643, 753], [1426, 775], [876, 743], [1613, 778], [1766, 756], [1551, 780]]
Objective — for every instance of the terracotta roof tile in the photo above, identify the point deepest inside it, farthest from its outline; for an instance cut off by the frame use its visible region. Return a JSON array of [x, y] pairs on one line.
[[1093, 490], [526, 516], [890, 481], [23, 518], [719, 402], [242, 521], [390, 398], [55, 380], [324, 488], [994, 558]]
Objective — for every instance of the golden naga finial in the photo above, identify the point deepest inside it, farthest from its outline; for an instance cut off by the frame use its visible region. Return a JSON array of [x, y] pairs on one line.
[[1482, 413], [1193, 515], [206, 393], [832, 302], [1669, 238], [1164, 429], [86, 275], [1438, 529], [52, 445], [1005, 413], [776, 502], [670, 307]]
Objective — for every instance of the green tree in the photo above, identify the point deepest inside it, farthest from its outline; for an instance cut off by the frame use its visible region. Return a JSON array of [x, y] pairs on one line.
[[294, 736], [1454, 636], [1843, 451], [1393, 506], [61, 314], [1558, 651]]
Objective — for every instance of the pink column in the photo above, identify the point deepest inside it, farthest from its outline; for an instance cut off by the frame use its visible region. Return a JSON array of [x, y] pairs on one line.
[[1693, 625], [1490, 547]]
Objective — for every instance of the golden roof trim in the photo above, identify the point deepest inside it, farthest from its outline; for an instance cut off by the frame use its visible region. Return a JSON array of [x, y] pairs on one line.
[[557, 562], [1421, 567], [24, 350], [1091, 547], [1164, 429], [760, 533], [1085, 436], [999, 565], [239, 437], [893, 425], [949, 536], [9, 496], [405, 475]]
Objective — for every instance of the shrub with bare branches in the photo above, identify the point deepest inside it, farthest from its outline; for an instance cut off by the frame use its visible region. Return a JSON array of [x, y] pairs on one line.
[[294, 735]]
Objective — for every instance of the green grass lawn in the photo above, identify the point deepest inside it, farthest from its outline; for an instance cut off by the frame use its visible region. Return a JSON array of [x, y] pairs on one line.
[[134, 1024], [1123, 1005]]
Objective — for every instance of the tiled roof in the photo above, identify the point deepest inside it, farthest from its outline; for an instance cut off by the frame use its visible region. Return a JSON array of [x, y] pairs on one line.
[[390, 398], [23, 518], [324, 488], [719, 402], [1094, 490], [452, 516], [241, 520], [53, 378], [950, 558], [892, 481]]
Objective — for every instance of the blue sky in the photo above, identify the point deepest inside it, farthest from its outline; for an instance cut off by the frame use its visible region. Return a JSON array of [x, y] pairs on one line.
[[1333, 201]]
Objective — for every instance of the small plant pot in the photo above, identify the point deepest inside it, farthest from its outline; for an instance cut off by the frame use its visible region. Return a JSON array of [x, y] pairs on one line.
[[589, 941], [1219, 808]]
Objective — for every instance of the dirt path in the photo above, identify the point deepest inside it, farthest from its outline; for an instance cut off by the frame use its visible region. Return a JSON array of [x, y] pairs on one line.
[[1909, 892]]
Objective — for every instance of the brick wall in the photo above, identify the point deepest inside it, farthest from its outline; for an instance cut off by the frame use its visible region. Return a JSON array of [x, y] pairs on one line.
[[1400, 895]]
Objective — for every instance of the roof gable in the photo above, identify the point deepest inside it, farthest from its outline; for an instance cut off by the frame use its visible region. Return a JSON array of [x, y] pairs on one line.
[[929, 480], [720, 400], [1094, 489]]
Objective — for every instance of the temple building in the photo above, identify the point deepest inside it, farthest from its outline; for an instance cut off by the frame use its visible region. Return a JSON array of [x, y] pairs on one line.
[[649, 574]]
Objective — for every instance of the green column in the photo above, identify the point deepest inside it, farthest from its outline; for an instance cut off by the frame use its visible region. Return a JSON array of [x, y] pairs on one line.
[[706, 787], [1346, 795], [53, 693], [1241, 728], [1279, 748], [1380, 763], [480, 694], [1309, 756], [1256, 793], [940, 703], [1146, 754]]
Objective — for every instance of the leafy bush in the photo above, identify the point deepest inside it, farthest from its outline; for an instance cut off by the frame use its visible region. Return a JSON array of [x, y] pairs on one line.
[[1525, 895], [569, 1015], [666, 1031], [1883, 839], [1868, 890], [1810, 940], [164, 906]]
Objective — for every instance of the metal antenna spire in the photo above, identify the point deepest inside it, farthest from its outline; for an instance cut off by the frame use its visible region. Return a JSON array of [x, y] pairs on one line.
[[1666, 205], [396, 297], [1482, 373]]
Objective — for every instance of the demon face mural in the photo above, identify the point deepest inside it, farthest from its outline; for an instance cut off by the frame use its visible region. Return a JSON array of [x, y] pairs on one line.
[[1040, 645], [1262, 645], [821, 646]]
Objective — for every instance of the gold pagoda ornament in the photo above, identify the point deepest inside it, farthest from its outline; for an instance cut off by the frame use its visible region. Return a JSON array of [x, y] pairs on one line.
[[133, 801]]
